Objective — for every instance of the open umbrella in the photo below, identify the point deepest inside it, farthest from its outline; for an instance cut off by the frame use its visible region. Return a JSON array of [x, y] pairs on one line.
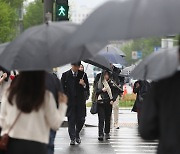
[[32, 50], [2, 47], [99, 61], [36, 48], [113, 57], [112, 49], [128, 19], [158, 65], [127, 70]]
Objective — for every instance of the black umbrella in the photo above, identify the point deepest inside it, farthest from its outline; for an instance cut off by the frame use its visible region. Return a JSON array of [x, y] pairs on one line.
[[99, 61]]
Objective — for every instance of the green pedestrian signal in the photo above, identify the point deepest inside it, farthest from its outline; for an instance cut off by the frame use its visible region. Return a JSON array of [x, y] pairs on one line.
[[62, 10]]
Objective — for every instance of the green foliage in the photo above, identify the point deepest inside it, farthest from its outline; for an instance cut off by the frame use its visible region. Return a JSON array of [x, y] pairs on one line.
[[126, 101], [34, 14], [177, 40], [144, 45], [14, 3], [89, 104], [7, 22], [128, 104]]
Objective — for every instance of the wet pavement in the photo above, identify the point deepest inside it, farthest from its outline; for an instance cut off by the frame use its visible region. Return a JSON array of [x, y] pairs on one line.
[[123, 141]]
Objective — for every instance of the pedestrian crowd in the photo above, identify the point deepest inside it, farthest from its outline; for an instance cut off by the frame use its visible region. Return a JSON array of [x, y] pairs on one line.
[[35, 103]]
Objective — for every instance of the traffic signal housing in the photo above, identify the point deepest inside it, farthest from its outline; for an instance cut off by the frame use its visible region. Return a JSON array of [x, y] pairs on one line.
[[62, 10]]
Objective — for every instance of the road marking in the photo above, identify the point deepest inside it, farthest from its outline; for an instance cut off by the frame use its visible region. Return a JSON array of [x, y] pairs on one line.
[[127, 141]]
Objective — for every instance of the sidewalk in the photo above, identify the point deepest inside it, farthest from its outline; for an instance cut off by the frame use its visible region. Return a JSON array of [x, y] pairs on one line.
[[126, 118]]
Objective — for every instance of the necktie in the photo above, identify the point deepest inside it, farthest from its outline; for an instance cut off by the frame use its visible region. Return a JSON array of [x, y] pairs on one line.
[[75, 74]]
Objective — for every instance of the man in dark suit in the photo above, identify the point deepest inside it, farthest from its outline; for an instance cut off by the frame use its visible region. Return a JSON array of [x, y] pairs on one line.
[[75, 85]]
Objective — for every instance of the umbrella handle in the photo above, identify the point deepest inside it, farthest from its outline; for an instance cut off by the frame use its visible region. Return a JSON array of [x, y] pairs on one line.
[[116, 85]]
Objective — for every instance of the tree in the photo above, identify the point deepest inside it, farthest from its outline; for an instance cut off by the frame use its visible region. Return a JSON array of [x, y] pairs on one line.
[[34, 14], [144, 45], [14, 3], [7, 22]]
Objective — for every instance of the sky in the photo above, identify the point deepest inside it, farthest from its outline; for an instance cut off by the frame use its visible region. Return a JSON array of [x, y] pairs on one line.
[[90, 3]]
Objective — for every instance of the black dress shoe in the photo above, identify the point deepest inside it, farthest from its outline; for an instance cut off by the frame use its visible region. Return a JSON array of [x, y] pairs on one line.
[[72, 142], [101, 138], [107, 136], [78, 140]]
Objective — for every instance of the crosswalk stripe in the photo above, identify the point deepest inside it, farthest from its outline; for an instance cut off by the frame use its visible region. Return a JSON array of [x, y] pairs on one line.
[[132, 143], [132, 146], [126, 145], [127, 141]]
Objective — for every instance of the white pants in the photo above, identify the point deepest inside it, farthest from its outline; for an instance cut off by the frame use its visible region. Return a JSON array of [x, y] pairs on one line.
[[116, 112]]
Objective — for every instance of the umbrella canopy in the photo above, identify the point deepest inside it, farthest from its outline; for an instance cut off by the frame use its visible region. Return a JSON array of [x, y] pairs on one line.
[[120, 20], [32, 50], [112, 49], [127, 70], [158, 65], [99, 61], [114, 58], [2, 47], [36, 48]]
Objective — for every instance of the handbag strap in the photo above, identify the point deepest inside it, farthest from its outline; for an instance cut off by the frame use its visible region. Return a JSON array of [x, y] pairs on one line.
[[14, 123]]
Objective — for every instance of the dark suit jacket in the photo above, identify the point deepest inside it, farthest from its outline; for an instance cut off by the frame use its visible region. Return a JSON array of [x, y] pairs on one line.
[[75, 92], [141, 94], [116, 91], [160, 117]]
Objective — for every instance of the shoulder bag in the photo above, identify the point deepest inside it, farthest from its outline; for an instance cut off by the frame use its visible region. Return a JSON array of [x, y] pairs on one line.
[[5, 138]]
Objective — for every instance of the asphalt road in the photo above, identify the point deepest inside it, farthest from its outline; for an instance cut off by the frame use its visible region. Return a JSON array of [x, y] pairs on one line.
[[123, 141]]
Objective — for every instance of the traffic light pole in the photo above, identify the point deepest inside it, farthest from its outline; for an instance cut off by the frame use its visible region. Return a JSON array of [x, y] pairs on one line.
[[48, 10]]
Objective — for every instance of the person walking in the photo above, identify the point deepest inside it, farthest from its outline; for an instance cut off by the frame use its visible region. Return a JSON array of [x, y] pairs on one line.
[[117, 91], [140, 89], [160, 115], [54, 85], [105, 101], [34, 111], [81, 68], [87, 92], [75, 84]]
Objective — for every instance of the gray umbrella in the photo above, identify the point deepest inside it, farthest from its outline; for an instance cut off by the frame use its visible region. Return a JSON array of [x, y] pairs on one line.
[[127, 70], [37, 48], [128, 19], [32, 50], [2, 47], [158, 65]]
